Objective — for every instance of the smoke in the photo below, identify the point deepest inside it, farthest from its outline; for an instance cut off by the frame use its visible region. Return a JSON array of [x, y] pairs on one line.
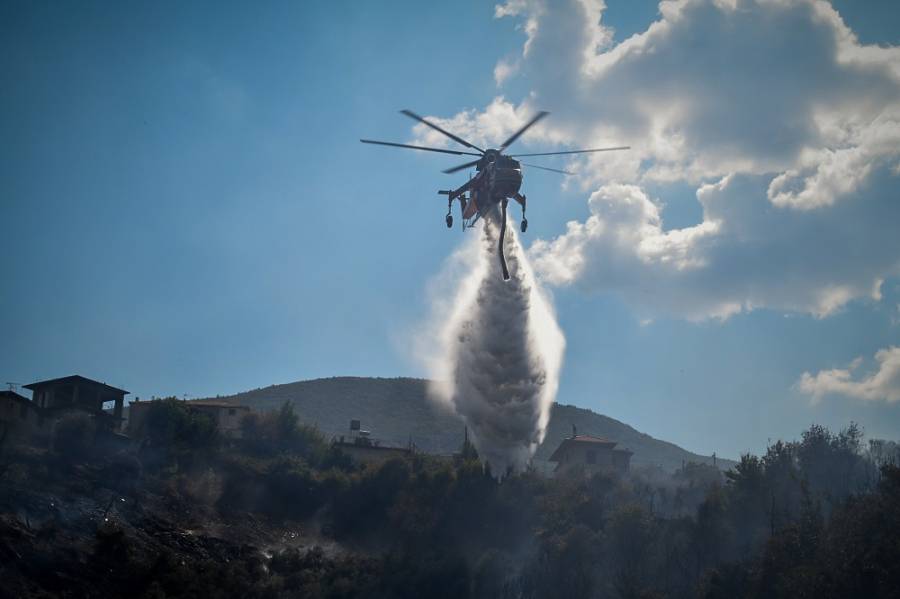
[[496, 356]]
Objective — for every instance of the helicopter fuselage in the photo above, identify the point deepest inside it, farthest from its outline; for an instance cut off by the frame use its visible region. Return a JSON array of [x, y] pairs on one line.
[[498, 178], [503, 181]]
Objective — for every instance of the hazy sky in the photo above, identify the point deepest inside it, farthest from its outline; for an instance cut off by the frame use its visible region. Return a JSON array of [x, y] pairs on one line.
[[187, 210]]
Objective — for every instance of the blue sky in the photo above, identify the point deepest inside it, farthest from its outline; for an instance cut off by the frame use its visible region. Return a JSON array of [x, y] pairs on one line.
[[187, 209]]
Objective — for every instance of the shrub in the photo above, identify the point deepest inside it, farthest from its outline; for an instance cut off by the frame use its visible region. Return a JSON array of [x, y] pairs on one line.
[[176, 434], [272, 433], [293, 489]]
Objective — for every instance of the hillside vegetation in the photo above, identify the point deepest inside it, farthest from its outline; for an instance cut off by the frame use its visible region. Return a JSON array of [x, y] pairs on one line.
[[282, 513], [397, 410]]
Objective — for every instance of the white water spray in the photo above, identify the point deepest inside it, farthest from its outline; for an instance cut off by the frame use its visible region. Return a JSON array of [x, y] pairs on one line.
[[498, 354]]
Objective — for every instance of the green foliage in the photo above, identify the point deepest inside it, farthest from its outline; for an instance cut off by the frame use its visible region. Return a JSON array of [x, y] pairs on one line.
[[293, 490], [883, 453], [832, 464], [468, 452], [362, 509], [695, 474], [272, 433], [175, 422], [176, 434], [773, 526]]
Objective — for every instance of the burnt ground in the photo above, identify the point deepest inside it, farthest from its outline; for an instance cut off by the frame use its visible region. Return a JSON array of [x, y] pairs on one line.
[[75, 530]]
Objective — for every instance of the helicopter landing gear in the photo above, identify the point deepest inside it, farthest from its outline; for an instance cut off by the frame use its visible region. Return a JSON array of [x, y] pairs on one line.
[[524, 225]]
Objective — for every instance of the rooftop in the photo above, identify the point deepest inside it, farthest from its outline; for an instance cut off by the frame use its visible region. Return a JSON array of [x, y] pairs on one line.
[[9, 394], [580, 440], [209, 403], [376, 447], [75, 378], [589, 439]]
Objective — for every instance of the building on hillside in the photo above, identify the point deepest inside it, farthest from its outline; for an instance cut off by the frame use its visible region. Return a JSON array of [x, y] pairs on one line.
[[226, 416], [19, 417], [364, 449], [55, 398], [585, 456]]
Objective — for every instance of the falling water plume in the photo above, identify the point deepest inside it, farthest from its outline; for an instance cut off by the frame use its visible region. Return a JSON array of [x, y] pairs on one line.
[[499, 350]]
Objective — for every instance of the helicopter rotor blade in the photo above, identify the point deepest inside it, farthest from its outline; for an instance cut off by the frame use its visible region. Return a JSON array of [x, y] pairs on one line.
[[573, 152], [525, 128], [455, 138], [450, 171], [396, 145], [546, 168]]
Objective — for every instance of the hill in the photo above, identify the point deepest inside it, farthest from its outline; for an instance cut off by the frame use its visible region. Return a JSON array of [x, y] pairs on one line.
[[397, 410]]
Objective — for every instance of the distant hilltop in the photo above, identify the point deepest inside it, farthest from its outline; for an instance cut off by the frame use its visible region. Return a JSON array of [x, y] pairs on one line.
[[397, 411]]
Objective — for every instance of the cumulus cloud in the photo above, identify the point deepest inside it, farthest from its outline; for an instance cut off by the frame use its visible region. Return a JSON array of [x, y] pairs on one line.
[[486, 128], [827, 174], [504, 70], [714, 88], [786, 124], [745, 253], [881, 385]]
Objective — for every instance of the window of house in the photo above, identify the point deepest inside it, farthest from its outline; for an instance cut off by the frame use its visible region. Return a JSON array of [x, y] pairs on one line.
[[591, 456], [231, 411]]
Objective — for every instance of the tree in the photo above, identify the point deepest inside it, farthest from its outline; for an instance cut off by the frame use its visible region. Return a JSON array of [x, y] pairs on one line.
[[174, 433]]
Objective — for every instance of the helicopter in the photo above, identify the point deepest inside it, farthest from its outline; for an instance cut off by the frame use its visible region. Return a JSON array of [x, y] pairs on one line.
[[498, 177]]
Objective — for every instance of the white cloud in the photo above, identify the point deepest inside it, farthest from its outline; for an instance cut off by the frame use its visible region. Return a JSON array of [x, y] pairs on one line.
[[786, 125], [745, 254], [714, 88], [486, 128], [503, 70], [697, 80], [880, 385], [833, 173], [789, 128]]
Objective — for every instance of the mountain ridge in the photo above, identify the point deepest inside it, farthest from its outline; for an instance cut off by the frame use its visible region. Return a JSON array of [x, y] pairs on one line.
[[398, 411]]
